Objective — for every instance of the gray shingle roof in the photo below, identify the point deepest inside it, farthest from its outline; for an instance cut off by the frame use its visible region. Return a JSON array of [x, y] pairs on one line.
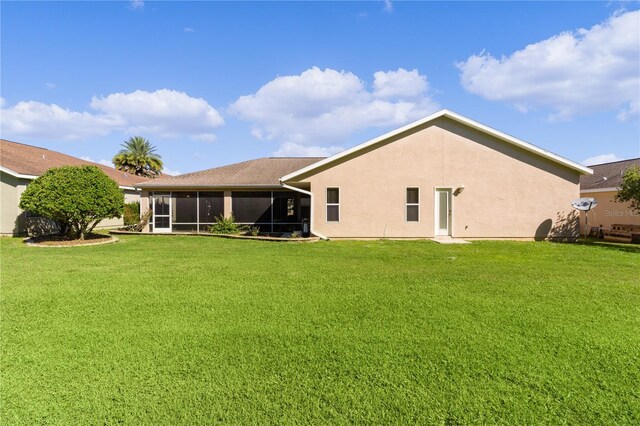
[[260, 172], [608, 175]]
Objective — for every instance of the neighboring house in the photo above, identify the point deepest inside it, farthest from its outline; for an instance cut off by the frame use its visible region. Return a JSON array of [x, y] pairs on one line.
[[603, 185], [20, 164], [445, 175]]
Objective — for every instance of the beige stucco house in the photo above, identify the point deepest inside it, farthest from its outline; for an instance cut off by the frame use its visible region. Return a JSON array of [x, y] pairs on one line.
[[20, 164], [603, 185], [442, 176]]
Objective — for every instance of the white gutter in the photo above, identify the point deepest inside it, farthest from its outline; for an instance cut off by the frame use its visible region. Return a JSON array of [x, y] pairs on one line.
[[599, 190], [16, 174], [302, 191], [32, 177]]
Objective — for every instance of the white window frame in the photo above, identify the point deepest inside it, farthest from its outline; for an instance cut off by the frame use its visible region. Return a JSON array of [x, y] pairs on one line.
[[326, 195], [407, 204]]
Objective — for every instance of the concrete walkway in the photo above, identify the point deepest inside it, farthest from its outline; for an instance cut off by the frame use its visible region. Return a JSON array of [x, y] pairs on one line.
[[449, 240]]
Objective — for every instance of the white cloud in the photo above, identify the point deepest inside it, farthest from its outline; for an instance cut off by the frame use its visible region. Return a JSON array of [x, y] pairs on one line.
[[36, 119], [170, 172], [633, 110], [136, 4], [290, 149], [166, 113], [103, 161], [319, 108], [3, 102], [571, 73], [205, 137], [189, 30], [388, 5], [163, 113], [401, 83], [50, 85], [600, 159]]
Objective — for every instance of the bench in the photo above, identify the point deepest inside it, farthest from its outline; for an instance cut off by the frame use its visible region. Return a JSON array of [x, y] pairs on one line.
[[623, 232]]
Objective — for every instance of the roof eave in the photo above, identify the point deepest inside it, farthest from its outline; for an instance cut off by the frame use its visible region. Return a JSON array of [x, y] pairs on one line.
[[203, 186], [16, 174], [32, 177]]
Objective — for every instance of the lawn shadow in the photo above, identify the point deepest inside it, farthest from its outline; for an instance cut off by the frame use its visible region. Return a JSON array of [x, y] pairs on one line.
[[608, 245]]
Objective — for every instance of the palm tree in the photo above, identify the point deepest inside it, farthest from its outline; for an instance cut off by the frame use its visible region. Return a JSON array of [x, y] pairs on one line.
[[139, 158]]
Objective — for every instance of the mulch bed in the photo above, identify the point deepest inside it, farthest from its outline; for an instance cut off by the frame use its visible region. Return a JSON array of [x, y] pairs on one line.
[[230, 236], [61, 241]]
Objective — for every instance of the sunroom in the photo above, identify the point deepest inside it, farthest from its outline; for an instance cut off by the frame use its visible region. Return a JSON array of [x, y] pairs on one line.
[[250, 191], [272, 211]]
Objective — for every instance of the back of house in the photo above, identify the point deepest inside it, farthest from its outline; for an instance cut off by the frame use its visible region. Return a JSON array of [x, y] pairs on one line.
[[442, 176]]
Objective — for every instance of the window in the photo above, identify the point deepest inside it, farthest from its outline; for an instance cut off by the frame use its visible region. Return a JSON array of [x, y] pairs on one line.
[[333, 204], [251, 207], [284, 207], [413, 204]]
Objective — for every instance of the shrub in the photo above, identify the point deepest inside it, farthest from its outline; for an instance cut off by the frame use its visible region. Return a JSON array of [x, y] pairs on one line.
[[131, 214], [254, 231], [77, 198], [226, 225], [630, 189]]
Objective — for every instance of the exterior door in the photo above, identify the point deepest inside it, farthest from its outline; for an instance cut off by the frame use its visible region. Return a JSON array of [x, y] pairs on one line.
[[443, 212], [162, 212]]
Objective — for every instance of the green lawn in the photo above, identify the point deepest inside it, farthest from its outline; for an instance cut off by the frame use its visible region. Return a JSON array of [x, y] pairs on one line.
[[188, 330]]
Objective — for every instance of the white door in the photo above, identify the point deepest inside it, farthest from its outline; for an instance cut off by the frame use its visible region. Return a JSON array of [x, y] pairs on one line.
[[162, 212], [443, 212]]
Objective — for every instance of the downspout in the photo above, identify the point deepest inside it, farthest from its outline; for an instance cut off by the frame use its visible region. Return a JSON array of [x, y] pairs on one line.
[[302, 191]]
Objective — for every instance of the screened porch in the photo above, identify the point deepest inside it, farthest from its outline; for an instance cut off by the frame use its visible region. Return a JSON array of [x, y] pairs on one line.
[[195, 211]]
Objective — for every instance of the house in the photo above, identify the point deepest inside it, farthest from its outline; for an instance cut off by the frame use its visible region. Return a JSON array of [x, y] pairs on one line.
[[442, 176], [603, 185], [20, 164]]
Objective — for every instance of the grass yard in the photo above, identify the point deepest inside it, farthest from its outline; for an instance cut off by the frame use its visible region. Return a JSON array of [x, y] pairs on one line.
[[195, 330]]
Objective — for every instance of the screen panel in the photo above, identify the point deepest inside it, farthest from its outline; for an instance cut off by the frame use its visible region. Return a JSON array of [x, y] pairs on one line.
[[211, 206], [251, 206], [184, 207]]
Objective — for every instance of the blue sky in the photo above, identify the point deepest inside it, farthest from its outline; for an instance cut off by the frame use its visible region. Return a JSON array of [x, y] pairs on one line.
[[211, 83]]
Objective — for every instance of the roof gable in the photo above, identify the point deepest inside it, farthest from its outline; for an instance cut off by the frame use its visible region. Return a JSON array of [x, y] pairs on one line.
[[371, 144]]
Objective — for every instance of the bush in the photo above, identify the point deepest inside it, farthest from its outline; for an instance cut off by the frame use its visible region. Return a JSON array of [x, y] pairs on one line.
[[630, 189], [254, 231], [226, 225], [77, 198], [131, 214]]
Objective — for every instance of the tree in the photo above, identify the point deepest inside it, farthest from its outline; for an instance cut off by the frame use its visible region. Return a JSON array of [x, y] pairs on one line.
[[138, 157], [76, 197], [630, 189]]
